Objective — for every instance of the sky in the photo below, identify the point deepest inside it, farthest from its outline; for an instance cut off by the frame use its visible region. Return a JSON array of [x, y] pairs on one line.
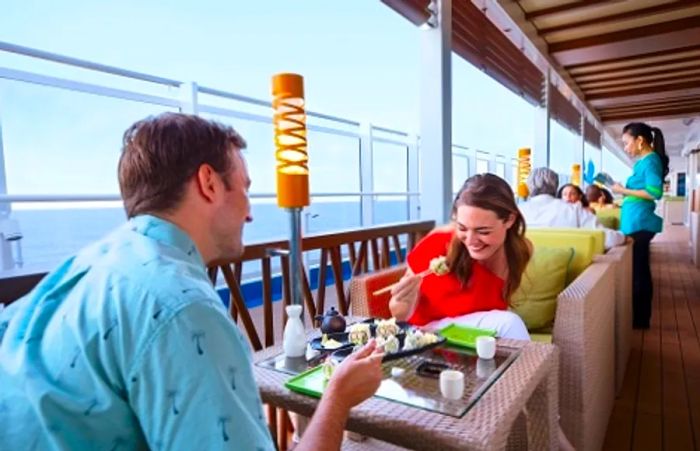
[[360, 61]]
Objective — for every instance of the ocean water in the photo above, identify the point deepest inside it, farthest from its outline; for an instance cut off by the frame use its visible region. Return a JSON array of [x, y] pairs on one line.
[[51, 235]]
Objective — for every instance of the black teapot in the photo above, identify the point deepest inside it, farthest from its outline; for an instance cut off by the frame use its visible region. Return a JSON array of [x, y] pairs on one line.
[[332, 322]]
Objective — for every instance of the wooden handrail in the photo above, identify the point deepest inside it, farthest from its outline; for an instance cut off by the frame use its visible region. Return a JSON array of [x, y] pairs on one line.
[[374, 253]]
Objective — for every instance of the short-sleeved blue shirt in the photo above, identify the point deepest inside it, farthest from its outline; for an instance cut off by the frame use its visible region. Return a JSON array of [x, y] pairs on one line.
[[637, 213], [127, 346]]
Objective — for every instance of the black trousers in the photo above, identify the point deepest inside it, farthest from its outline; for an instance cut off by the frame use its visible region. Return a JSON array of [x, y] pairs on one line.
[[642, 284]]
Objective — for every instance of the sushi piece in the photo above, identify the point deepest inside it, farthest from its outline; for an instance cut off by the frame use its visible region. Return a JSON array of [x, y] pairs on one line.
[[359, 334]]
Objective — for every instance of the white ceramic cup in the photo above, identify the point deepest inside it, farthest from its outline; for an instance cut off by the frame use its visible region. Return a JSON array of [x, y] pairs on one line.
[[485, 347], [452, 384]]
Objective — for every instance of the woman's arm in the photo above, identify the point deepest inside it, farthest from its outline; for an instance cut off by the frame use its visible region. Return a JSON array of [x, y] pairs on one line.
[[404, 296], [644, 194]]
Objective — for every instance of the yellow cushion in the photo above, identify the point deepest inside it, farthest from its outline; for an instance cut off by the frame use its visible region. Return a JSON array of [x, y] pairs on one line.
[[535, 301], [586, 244], [541, 338]]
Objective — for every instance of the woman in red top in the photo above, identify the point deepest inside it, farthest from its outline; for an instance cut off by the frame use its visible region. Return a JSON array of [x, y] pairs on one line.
[[486, 252]]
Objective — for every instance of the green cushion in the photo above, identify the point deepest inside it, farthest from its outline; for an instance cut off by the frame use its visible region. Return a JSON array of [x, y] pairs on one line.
[[541, 338], [545, 277], [609, 217], [586, 244]]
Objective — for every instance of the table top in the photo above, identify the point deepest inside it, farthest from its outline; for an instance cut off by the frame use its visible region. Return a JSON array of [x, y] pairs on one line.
[[485, 426]]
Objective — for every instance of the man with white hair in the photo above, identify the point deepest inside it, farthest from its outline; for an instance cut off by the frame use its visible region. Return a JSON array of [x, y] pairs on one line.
[[544, 209]]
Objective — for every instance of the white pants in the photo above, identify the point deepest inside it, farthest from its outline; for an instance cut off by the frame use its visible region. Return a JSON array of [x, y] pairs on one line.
[[506, 324]]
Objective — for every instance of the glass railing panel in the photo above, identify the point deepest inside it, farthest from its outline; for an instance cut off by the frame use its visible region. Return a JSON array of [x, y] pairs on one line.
[[389, 209], [390, 167], [64, 142]]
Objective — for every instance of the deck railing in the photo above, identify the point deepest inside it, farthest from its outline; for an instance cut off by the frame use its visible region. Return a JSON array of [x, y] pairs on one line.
[[367, 249]]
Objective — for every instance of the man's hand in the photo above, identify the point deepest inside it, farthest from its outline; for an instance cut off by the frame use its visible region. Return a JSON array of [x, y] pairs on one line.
[[357, 377]]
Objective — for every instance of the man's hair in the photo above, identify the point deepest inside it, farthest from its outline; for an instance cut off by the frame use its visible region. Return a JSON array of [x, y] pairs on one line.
[[543, 181], [161, 153]]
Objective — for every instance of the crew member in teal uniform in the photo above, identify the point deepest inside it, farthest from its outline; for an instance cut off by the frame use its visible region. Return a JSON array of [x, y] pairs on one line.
[[643, 188]]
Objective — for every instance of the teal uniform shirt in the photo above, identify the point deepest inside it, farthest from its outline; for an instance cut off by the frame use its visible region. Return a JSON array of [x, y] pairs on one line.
[[637, 213], [127, 346]]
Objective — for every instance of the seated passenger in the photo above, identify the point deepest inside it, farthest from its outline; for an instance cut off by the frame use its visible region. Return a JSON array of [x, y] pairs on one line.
[[486, 252], [599, 197], [542, 209], [127, 344], [573, 194]]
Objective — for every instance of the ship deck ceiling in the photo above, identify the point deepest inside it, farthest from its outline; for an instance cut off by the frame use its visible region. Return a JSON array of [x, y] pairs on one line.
[[629, 60]]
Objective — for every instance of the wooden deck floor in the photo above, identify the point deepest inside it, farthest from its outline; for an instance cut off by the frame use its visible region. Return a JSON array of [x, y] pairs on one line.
[[659, 407]]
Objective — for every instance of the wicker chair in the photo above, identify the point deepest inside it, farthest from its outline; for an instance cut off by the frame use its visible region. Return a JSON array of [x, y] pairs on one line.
[[621, 258]]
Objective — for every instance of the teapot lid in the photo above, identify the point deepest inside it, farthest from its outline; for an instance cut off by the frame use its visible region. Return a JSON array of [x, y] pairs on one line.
[[331, 312]]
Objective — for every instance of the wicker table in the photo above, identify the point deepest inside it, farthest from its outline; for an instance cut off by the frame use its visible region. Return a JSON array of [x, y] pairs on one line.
[[530, 382]]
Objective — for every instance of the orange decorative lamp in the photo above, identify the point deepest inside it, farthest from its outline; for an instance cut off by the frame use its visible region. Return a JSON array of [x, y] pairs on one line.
[[576, 174], [289, 122], [524, 168]]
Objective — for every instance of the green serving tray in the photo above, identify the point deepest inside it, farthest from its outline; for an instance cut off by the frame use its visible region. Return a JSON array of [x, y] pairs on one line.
[[310, 382], [464, 336]]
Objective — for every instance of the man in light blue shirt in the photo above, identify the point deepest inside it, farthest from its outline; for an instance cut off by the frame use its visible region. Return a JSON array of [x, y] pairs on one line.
[[126, 345]]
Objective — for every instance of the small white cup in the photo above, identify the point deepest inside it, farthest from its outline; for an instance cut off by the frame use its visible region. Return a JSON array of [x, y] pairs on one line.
[[485, 347], [452, 384]]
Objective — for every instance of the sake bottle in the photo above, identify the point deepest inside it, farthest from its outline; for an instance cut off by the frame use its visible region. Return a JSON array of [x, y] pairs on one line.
[[294, 340]]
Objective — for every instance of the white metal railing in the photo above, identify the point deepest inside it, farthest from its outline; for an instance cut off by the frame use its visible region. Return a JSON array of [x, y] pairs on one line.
[[185, 96]]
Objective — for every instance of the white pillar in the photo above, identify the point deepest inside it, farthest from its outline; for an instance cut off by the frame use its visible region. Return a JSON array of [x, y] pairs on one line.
[[366, 174], [580, 156], [188, 98], [5, 207], [540, 154], [690, 181], [413, 177], [436, 116]]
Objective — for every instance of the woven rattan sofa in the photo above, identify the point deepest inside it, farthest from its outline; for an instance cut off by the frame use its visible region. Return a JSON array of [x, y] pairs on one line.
[[583, 330]]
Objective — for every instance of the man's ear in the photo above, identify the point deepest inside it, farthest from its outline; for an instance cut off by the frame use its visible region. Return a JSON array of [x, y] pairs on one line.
[[206, 180]]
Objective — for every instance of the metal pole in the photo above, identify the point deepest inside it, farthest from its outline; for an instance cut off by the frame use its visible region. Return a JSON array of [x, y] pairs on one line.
[[295, 257]]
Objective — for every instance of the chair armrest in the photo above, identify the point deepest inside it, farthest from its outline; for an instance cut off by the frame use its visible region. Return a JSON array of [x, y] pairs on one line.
[[621, 258], [584, 332], [363, 303]]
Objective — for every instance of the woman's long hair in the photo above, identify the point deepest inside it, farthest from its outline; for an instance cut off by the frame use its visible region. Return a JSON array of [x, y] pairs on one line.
[[490, 192], [653, 137]]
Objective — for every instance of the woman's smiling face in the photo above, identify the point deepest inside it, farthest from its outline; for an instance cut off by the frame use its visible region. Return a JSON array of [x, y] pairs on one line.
[[481, 231]]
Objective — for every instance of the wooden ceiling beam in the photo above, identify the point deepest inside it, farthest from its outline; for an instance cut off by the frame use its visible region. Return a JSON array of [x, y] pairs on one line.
[[669, 42], [618, 74], [642, 88], [641, 91], [647, 110], [679, 112], [642, 98], [581, 5], [627, 35], [662, 55], [638, 106], [659, 77], [633, 14]]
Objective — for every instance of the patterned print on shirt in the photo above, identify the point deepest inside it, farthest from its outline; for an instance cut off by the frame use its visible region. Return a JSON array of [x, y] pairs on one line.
[[109, 330], [223, 421], [232, 375], [90, 408], [76, 354], [171, 396], [197, 337]]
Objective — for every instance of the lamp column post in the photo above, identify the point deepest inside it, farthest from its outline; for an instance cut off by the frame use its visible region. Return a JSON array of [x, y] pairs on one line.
[[289, 120]]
